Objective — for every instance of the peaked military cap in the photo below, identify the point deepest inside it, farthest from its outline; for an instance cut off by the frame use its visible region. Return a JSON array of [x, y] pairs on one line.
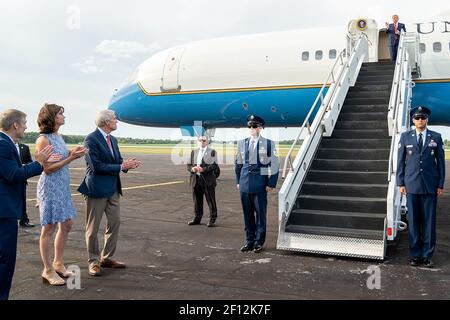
[[420, 111], [252, 119]]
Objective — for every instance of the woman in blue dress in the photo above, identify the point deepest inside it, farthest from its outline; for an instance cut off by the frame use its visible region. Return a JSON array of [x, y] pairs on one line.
[[53, 192]]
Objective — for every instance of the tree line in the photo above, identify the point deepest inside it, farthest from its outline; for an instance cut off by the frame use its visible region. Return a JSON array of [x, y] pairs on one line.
[[30, 137]]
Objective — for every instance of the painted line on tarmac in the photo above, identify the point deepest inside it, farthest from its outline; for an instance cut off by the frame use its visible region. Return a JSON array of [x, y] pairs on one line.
[[129, 188]]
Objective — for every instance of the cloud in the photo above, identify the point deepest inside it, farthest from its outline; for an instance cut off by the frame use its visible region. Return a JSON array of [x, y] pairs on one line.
[[88, 66], [125, 49]]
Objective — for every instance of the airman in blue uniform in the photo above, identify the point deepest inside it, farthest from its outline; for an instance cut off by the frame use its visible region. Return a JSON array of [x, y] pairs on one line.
[[420, 175], [256, 174]]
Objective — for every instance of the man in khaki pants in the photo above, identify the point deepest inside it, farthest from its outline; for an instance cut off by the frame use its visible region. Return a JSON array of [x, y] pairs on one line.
[[102, 189]]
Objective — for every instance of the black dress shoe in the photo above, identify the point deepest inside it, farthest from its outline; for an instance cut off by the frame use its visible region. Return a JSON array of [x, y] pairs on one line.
[[246, 247], [26, 224], [258, 248], [211, 223], [428, 264], [194, 222], [414, 262]]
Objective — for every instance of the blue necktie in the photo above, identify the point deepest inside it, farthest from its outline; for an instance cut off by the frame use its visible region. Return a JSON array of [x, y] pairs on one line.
[[420, 142]]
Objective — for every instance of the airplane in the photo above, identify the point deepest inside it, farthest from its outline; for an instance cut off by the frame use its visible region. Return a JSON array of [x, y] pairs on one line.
[[275, 75]]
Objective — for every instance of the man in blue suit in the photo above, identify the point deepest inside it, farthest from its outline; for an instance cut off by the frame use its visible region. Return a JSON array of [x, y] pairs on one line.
[[102, 189], [394, 30], [420, 175], [13, 178], [256, 171]]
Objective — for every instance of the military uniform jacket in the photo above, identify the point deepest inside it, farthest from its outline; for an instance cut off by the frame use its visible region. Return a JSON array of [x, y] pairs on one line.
[[421, 172], [255, 177], [209, 163]]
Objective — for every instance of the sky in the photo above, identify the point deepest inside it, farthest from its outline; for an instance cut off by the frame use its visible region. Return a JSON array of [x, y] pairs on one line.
[[75, 53]]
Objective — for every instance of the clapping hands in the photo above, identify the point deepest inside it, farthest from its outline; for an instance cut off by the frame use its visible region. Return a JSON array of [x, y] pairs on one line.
[[43, 155], [131, 163], [78, 152]]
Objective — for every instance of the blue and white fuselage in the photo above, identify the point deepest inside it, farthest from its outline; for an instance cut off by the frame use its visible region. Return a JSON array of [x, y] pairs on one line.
[[274, 75]]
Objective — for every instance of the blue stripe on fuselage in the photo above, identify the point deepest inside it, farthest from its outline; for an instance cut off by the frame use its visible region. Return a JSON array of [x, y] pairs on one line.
[[279, 107]]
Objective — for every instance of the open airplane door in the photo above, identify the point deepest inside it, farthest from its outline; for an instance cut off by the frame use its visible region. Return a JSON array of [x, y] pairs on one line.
[[170, 79], [368, 27]]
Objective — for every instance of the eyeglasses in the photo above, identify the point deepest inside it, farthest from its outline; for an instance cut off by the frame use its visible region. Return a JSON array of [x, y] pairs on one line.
[[254, 126], [420, 118], [202, 140]]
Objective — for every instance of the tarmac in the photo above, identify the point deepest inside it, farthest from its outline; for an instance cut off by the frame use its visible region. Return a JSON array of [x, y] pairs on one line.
[[167, 259]]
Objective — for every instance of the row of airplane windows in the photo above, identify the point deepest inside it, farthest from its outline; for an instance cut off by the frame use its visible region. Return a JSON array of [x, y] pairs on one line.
[[437, 47]]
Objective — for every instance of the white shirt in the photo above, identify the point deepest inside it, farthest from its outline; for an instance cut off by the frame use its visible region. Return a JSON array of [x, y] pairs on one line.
[[105, 135], [424, 136], [201, 153], [255, 143], [16, 144]]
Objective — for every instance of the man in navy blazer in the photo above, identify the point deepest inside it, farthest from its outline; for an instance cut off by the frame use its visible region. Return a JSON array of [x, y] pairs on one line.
[[13, 177], [394, 30], [256, 171], [102, 189], [420, 175]]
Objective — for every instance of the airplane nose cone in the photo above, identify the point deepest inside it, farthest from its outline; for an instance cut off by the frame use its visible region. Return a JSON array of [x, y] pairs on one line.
[[123, 102]]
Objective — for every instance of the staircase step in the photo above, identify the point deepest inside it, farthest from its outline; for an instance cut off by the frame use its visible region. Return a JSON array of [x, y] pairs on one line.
[[332, 176], [377, 71], [366, 100], [383, 107], [363, 116], [361, 154], [350, 165], [337, 232], [365, 82], [360, 134], [333, 143], [368, 94], [342, 189], [349, 204], [337, 219], [371, 87], [361, 124], [375, 77]]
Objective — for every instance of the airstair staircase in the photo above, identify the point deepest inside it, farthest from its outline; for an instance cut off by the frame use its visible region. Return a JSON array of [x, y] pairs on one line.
[[337, 194]]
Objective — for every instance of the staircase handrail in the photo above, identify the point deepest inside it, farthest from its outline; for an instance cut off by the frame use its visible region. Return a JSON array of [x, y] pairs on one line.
[[306, 123], [398, 121], [397, 101]]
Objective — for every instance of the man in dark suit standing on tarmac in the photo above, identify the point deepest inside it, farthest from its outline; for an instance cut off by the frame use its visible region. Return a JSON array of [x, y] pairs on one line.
[[420, 175], [25, 157], [102, 189], [13, 176], [203, 168]]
